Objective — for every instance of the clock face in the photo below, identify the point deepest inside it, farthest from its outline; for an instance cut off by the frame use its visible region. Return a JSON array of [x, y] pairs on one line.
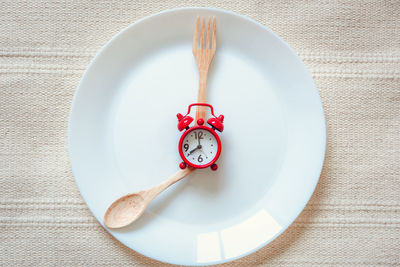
[[200, 147]]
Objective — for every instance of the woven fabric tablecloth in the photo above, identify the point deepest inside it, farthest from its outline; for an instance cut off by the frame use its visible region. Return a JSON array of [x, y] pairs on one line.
[[353, 51]]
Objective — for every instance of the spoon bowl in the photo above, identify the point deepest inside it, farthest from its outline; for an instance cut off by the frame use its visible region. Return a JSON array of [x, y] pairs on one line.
[[125, 210]]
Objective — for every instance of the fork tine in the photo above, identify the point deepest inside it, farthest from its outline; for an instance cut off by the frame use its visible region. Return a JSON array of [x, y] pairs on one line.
[[208, 34], [202, 34], [214, 36], [196, 35]]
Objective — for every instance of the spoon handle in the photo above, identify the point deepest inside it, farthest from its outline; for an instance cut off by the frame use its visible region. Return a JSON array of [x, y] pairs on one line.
[[149, 194]]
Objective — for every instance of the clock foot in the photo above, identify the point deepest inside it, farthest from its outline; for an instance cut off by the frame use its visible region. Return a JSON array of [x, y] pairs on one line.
[[182, 165], [214, 167]]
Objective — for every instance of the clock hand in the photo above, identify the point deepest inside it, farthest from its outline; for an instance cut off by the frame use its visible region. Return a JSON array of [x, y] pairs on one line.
[[193, 150]]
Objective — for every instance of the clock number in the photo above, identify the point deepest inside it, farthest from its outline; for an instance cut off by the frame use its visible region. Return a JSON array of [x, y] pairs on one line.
[[200, 159], [186, 147], [198, 135]]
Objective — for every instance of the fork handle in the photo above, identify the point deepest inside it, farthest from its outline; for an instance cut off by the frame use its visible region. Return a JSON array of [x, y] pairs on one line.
[[201, 97]]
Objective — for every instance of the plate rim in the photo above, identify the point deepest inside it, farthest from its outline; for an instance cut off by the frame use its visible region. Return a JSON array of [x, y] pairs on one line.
[[229, 12]]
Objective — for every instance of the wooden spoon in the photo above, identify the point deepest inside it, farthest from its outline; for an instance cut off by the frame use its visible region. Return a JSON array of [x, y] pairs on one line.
[[128, 208]]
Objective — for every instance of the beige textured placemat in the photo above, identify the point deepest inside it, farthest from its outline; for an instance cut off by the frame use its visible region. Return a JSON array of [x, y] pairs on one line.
[[353, 51]]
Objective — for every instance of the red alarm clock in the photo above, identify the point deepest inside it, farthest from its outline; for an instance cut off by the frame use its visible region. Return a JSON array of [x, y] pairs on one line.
[[200, 145]]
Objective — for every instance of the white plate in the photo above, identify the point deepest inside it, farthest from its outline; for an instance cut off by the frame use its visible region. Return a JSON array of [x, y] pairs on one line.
[[123, 136]]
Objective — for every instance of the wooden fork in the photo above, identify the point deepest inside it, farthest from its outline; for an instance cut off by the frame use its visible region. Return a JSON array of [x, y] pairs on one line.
[[204, 53]]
